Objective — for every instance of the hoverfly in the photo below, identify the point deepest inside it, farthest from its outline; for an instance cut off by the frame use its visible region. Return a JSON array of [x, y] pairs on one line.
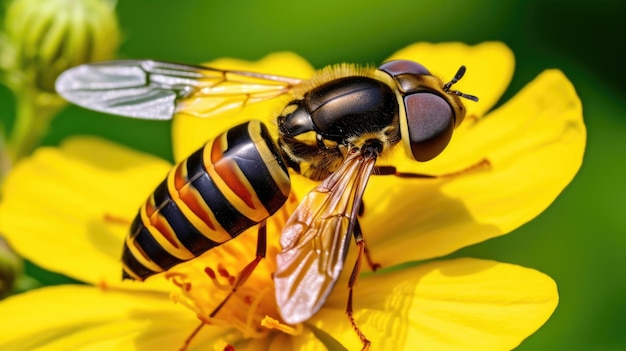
[[333, 129]]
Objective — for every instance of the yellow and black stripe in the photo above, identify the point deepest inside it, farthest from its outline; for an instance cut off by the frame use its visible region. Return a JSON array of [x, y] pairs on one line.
[[232, 183]]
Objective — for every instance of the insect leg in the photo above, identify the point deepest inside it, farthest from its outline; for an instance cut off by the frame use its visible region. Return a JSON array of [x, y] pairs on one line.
[[370, 262], [361, 209], [360, 242], [391, 170], [191, 336], [246, 272], [358, 236]]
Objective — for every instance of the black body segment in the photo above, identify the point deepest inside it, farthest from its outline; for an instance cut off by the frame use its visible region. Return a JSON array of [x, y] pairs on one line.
[[188, 235], [317, 129], [231, 220], [342, 108], [230, 184]]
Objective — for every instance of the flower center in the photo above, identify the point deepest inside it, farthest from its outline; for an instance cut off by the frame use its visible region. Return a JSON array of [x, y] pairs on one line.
[[205, 282]]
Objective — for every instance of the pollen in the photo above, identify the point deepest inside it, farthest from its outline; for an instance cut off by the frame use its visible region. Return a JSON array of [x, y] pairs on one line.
[[208, 284], [272, 323]]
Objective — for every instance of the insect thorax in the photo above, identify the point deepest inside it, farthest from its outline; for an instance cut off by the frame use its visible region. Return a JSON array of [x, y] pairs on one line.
[[317, 130]]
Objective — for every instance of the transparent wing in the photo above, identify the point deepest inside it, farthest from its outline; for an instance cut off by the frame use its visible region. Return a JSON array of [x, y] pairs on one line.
[[315, 240], [157, 90]]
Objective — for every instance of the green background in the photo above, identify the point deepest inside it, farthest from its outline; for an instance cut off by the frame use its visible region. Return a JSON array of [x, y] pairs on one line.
[[580, 240]]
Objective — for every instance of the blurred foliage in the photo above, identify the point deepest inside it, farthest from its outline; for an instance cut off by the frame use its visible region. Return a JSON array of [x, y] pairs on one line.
[[580, 241]]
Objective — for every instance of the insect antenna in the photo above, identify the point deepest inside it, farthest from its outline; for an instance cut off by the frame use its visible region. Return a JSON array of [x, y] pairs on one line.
[[459, 74]]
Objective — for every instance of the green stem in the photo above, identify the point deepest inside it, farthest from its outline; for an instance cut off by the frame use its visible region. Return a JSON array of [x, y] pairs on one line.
[[31, 124]]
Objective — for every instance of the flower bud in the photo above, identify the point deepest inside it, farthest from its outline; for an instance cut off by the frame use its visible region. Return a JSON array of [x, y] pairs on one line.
[[46, 37]]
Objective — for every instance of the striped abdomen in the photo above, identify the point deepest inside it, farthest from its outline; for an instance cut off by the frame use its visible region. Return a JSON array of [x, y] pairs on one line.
[[232, 183]]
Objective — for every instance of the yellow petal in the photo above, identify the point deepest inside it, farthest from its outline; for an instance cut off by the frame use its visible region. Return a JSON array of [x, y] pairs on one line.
[[68, 209], [83, 317], [461, 304], [489, 68], [535, 144], [189, 133], [280, 63]]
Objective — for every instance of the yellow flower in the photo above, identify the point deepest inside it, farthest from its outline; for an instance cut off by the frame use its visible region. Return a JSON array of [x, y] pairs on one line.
[[67, 209]]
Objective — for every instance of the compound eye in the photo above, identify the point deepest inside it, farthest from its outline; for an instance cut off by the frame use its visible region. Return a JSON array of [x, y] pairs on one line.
[[430, 123], [397, 67]]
